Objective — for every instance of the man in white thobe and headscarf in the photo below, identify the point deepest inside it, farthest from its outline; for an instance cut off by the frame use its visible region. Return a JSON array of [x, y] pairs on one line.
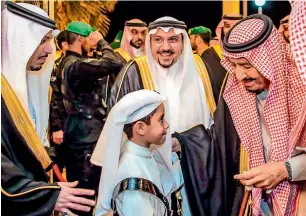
[[169, 68], [27, 33]]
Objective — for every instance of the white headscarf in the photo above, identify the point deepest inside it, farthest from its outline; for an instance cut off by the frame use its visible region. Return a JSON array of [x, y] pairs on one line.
[[20, 38], [130, 108], [187, 100]]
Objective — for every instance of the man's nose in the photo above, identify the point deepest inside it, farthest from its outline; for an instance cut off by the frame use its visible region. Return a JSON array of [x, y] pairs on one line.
[[239, 73], [48, 49], [166, 45]]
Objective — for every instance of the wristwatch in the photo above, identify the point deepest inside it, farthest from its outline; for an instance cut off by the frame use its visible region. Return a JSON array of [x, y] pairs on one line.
[[288, 168]]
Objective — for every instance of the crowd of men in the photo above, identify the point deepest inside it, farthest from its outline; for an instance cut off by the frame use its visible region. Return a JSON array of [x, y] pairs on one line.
[[230, 116]]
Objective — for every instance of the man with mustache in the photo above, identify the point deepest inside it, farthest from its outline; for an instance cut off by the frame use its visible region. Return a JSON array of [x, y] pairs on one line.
[[27, 34], [169, 68], [133, 40], [264, 94], [199, 38], [86, 111]]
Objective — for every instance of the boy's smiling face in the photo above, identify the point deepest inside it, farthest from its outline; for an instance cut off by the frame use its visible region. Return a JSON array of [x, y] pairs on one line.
[[156, 131]]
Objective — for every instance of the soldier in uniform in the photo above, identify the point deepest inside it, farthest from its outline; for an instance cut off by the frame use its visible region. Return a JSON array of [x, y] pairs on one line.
[[84, 106]]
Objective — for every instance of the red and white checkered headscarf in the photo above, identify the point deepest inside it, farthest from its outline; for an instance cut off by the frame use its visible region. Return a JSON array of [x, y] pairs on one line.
[[297, 29], [274, 61]]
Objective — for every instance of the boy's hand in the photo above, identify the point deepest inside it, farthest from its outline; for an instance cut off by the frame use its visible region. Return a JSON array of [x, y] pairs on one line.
[[176, 146]]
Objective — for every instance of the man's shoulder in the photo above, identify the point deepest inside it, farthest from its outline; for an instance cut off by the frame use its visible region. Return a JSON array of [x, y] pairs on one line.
[[208, 51], [124, 55], [68, 59], [212, 52], [134, 66]]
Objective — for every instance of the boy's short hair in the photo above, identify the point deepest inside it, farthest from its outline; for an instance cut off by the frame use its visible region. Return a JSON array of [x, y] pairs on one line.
[[128, 128]]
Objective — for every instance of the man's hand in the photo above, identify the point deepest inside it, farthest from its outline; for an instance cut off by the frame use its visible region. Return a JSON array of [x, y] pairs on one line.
[[57, 137], [266, 176], [69, 198], [176, 146], [94, 38]]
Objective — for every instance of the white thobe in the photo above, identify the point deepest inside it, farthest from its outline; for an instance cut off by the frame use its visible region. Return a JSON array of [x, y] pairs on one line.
[[139, 162]]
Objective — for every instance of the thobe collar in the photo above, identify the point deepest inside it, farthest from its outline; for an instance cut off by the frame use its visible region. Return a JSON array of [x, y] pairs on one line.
[[262, 96], [137, 52], [138, 150]]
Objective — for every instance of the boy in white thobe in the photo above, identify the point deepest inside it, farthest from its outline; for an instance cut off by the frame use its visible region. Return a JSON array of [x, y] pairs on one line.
[[138, 176]]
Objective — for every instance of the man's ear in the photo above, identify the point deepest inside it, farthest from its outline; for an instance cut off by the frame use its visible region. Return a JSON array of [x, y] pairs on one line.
[[139, 128], [64, 44], [197, 40], [80, 38]]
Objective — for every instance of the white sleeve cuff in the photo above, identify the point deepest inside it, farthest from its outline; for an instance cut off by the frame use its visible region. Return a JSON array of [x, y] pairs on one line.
[[298, 167]]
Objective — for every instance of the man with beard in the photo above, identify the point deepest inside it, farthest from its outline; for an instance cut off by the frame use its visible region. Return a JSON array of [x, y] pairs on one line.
[[264, 93], [85, 110], [199, 38], [264, 101], [284, 28], [170, 69], [133, 40], [27, 33]]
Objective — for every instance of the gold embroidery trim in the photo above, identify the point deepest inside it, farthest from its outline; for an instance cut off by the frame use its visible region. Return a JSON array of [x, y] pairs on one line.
[[29, 191], [218, 50], [223, 85], [23, 123], [244, 161], [145, 73], [123, 54], [202, 71]]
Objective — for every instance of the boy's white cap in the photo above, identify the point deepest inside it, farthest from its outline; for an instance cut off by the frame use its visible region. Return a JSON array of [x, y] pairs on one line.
[[130, 108]]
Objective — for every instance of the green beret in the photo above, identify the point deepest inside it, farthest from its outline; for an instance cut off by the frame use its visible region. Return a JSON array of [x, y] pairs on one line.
[[198, 30], [80, 28]]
